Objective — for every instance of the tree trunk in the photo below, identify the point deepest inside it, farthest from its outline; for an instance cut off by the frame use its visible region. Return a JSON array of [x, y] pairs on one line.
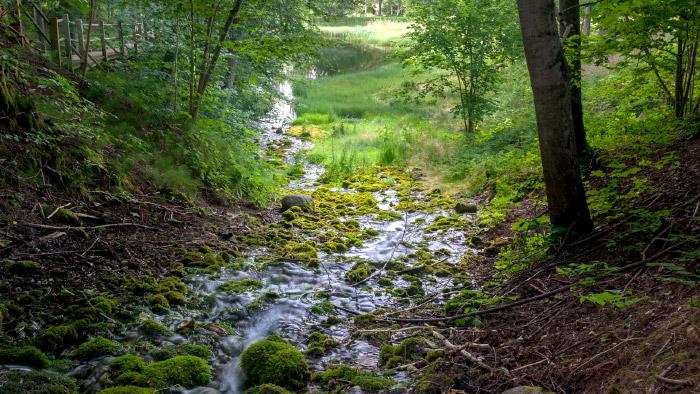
[[209, 70], [566, 197], [587, 21], [379, 7], [570, 18], [86, 53]]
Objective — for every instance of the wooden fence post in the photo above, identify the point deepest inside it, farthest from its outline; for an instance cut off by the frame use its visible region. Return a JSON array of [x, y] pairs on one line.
[[103, 40], [67, 42], [120, 32], [39, 22], [55, 35], [81, 37]]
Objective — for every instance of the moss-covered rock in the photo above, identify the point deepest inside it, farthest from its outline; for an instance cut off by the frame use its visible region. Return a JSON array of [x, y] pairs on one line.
[[56, 338], [152, 328], [186, 371], [241, 285], [175, 297], [24, 267], [408, 349], [267, 389], [319, 344], [24, 355], [359, 272], [158, 303], [182, 349], [97, 347], [127, 363], [276, 362], [36, 382], [334, 378], [127, 390], [433, 382], [63, 215], [103, 304], [205, 258], [304, 252]]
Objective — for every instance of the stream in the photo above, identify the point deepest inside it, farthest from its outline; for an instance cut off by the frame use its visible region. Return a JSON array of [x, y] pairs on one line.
[[295, 285]]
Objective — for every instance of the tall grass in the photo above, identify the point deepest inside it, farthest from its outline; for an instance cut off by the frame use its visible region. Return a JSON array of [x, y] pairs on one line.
[[376, 31]]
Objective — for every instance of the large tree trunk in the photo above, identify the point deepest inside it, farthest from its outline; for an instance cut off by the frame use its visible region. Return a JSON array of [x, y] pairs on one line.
[[566, 197], [571, 21], [379, 7]]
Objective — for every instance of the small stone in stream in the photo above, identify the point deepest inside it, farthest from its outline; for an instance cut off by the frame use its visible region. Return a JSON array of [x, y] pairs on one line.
[[526, 390], [279, 130], [462, 207], [298, 200]]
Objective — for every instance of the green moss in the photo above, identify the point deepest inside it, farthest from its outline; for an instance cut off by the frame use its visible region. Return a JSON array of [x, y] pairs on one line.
[[127, 390], [171, 283], [131, 379], [99, 346], [24, 267], [152, 328], [334, 379], [127, 363], [274, 361], [36, 382], [158, 303], [206, 258], [267, 389], [319, 344], [103, 304], [65, 216], [359, 272], [55, 338], [241, 285], [263, 300], [324, 307], [304, 252], [186, 371], [408, 349], [25, 355], [182, 349], [432, 382], [175, 297]]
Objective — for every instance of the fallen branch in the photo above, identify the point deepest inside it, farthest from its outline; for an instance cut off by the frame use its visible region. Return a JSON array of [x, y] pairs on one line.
[[64, 228], [531, 299]]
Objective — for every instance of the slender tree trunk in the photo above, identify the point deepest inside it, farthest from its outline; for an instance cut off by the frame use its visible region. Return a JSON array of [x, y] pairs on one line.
[[176, 61], [570, 17], [193, 60], [566, 197], [587, 20], [379, 7], [84, 60], [211, 64], [680, 77]]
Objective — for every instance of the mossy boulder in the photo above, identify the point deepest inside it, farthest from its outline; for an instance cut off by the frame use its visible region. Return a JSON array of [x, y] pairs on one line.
[[186, 371], [433, 382], [158, 303], [302, 201], [304, 252], [334, 378], [175, 297], [241, 285], [182, 349], [408, 349], [24, 267], [319, 344], [36, 382], [97, 347], [464, 207], [127, 363], [152, 328], [359, 272], [24, 355], [58, 337], [127, 390], [267, 389], [103, 304], [205, 258], [276, 362]]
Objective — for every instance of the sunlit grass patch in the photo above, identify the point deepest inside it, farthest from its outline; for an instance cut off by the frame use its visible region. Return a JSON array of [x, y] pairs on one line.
[[375, 31]]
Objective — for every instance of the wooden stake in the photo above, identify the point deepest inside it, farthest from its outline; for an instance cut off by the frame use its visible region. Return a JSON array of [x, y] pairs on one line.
[[54, 33], [81, 38], [67, 42], [103, 40], [122, 45]]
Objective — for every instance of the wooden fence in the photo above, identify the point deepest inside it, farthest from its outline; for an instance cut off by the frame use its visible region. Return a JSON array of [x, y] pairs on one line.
[[65, 39]]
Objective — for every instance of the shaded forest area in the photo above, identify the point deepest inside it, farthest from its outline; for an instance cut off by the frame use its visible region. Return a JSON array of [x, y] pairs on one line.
[[420, 196]]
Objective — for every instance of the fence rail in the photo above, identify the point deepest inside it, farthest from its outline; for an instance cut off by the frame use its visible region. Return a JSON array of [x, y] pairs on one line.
[[64, 38]]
